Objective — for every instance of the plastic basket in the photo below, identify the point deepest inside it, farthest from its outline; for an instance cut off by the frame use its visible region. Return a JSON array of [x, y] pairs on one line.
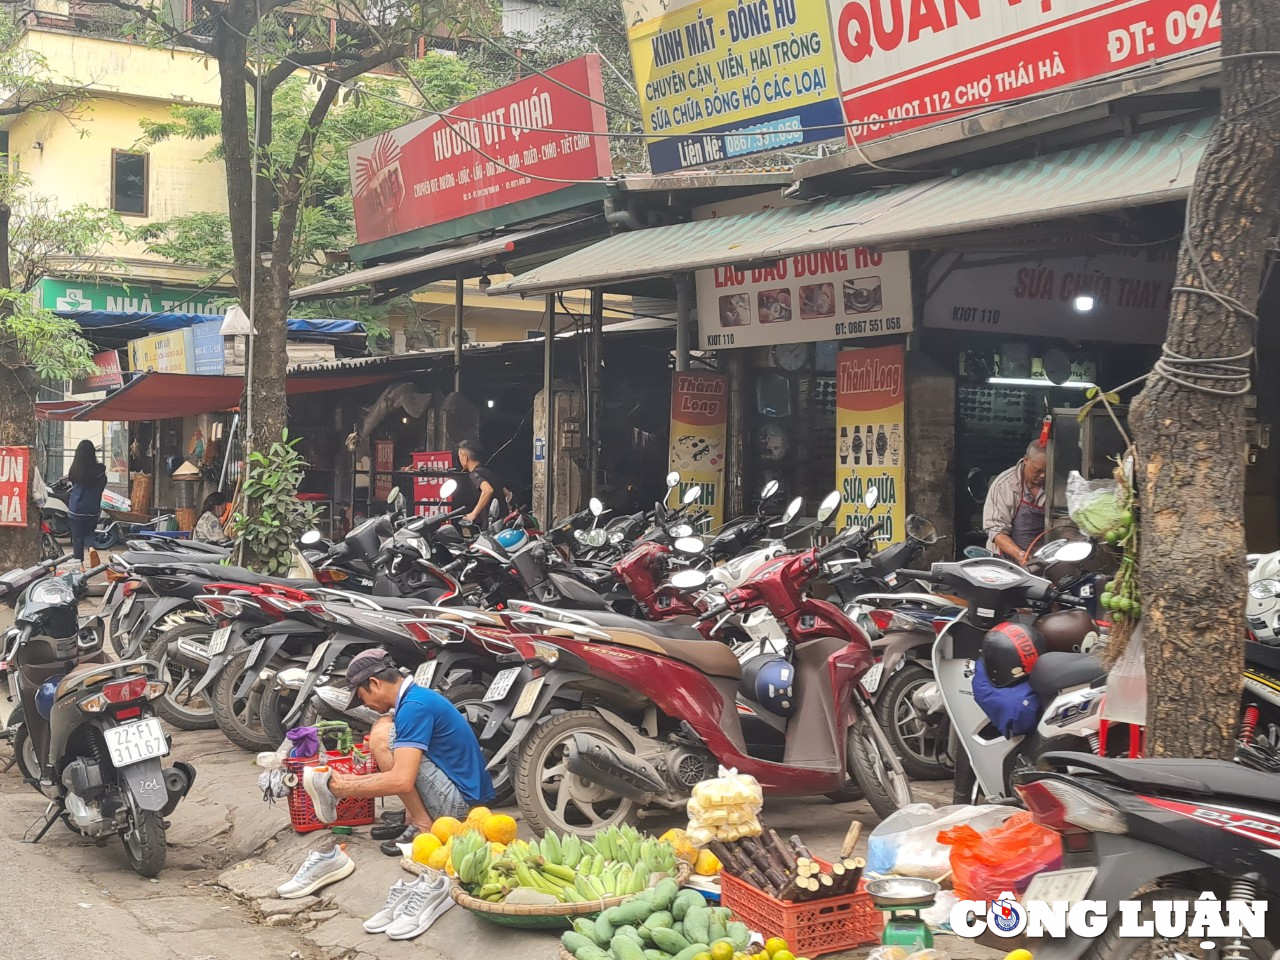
[[810, 927], [352, 811]]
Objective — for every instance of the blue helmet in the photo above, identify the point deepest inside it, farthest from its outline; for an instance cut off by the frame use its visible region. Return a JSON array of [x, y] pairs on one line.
[[767, 680], [512, 540], [46, 695]]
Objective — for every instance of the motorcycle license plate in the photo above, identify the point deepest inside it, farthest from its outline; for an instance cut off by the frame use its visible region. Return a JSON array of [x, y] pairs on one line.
[[528, 697], [218, 641], [501, 685], [1067, 885], [425, 673], [132, 743], [316, 657], [871, 679]]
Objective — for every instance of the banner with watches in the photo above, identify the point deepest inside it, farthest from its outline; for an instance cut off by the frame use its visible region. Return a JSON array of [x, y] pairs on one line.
[[871, 437]]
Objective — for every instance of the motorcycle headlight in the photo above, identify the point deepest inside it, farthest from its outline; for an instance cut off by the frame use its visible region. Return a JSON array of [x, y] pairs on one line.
[[596, 538], [1260, 589], [55, 592], [615, 537]]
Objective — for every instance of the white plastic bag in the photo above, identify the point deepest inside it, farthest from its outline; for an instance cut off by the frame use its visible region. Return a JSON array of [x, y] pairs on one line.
[[907, 844], [1096, 506], [1126, 699], [725, 808]]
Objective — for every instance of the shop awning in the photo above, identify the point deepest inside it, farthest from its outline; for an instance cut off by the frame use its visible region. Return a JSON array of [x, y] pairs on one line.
[[138, 323], [427, 268], [163, 396], [1152, 167]]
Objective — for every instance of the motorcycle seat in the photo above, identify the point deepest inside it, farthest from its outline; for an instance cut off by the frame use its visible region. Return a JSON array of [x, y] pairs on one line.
[[665, 628], [713, 659], [1203, 777], [1262, 656], [221, 574], [400, 604], [1055, 672]]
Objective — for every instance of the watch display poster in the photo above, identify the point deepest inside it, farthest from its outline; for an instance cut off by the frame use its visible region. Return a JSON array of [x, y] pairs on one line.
[[871, 437], [699, 426]]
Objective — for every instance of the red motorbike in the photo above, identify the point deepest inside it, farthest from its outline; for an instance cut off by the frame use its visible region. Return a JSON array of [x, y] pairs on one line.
[[662, 708]]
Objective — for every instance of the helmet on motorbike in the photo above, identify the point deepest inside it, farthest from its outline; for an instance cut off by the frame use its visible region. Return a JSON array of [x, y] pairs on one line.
[[1065, 631], [1010, 651], [767, 680], [512, 540], [46, 695]]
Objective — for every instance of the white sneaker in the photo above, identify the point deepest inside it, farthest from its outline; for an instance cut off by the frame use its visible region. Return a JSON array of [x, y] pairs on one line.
[[315, 780], [425, 904], [318, 870], [396, 897]]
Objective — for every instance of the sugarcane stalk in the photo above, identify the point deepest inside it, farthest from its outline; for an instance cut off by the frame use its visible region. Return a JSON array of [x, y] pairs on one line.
[[799, 847], [851, 839]]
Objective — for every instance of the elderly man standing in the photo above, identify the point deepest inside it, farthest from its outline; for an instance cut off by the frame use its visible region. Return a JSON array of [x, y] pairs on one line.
[[1013, 515]]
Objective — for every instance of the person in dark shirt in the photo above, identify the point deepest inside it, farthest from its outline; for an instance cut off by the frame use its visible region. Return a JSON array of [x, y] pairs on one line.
[[491, 501], [88, 481]]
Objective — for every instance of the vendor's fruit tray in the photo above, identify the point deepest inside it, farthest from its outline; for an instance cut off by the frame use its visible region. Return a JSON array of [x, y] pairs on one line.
[[352, 811], [810, 927]]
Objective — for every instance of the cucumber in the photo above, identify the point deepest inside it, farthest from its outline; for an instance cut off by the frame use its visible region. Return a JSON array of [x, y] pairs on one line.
[[684, 900], [668, 939], [688, 953], [697, 925], [572, 941], [624, 948], [665, 893]]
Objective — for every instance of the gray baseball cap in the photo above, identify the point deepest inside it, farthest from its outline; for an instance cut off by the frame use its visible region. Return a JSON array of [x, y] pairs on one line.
[[363, 666]]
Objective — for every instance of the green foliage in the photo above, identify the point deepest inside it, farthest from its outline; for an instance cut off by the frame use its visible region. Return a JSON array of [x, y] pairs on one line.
[[277, 517], [42, 234], [43, 340]]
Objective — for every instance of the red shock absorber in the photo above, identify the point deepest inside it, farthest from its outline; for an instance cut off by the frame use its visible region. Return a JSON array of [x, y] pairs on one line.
[[1248, 724]]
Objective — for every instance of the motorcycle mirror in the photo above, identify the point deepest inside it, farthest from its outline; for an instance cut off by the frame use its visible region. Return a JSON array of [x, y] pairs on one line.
[[673, 479], [769, 490], [830, 504], [871, 497], [689, 545], [395, 499], [976, 484], [310, 538], [448, 488], [692, 495], [792, 511], [688, 579], [1073, 552], [921, 530], [595, 506]]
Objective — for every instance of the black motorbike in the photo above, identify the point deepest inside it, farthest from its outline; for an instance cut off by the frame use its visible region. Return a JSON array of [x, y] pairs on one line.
[[86, 737]]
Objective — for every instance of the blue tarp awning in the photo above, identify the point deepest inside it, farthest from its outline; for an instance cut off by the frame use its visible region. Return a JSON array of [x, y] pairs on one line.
[[123, 323]]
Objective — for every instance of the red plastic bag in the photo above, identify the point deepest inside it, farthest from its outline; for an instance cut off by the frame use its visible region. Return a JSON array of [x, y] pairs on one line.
[[1004, 858]]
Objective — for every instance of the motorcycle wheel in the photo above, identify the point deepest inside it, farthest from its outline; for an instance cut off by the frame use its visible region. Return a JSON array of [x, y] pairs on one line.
[[550, 798], [468, 699], [24, 751], [240, 718], [1111, 946], [177, 707], [276, 706], [921, 749], [885, 789], [144, 843], [49, 547]]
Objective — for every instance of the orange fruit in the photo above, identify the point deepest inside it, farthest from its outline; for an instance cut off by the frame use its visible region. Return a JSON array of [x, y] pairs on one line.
[[446, 827], [774, 945], [424, 845], [500, 828]]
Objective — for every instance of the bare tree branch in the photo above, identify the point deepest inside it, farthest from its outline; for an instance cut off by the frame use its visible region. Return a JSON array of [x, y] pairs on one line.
[[182, 37]]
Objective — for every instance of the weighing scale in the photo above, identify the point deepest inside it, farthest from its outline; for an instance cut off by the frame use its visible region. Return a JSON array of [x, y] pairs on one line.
[[904, 898]]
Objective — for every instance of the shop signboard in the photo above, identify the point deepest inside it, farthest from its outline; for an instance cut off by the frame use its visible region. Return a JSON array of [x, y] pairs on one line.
[[384, 461], [15, 465], [905, 64], [871, 437], [72, 295], [428, 488], [722, 79], [162, 352], [207, 348], [497, 149], [699, 428], [108, 376], [1117, 298], [828, 295]]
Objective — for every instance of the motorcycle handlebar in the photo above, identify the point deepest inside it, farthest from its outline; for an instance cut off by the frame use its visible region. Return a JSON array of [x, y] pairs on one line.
[[915, 574], [94, 571]]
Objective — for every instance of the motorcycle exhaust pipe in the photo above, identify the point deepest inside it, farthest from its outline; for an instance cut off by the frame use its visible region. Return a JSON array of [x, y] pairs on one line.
[[178, 781], [624, 774], [192, 653]]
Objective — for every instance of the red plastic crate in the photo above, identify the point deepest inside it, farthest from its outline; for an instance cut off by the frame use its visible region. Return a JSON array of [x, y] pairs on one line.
[[352, 811], [811, 927]]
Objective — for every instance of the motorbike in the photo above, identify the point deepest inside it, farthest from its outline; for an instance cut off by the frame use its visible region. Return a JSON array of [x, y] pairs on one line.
[[87, 738], [665, 707], [1262, 612], [1068, 683], [1155, 830]]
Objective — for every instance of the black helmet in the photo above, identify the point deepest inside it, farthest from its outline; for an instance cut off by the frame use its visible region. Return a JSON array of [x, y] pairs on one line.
[[1010, 651], [767, 680]]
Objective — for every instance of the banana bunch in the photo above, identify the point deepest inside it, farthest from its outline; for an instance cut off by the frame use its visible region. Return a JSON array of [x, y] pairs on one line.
[[472, 857]]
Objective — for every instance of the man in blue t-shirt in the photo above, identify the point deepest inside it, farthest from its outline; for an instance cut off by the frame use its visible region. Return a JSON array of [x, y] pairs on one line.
[[427, 754]]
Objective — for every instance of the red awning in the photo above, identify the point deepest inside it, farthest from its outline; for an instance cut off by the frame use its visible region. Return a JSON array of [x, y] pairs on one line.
[[164, 396]]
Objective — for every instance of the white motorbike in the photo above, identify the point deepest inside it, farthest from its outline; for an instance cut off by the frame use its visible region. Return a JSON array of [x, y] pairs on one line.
[[1262, 613]]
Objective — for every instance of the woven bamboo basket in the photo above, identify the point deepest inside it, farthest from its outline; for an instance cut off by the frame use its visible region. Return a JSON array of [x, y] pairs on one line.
[[551, 917]]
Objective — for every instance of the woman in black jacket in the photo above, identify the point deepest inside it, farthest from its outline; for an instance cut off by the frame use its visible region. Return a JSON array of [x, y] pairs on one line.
[[88, 481]]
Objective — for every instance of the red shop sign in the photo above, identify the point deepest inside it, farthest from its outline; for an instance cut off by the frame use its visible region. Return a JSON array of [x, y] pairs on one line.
[[483, 154], [14, 470]]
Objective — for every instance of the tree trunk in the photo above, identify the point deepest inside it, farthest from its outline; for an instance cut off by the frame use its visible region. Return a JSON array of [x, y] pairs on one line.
[[1191, 448], [19, 386]]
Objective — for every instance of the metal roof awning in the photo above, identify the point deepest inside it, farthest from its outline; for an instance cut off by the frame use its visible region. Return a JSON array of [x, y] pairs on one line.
[[163, 396], [1153, 167], [429, 267]]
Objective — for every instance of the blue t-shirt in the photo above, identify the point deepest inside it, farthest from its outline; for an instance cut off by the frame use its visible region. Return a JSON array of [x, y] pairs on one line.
[[428, 721]]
